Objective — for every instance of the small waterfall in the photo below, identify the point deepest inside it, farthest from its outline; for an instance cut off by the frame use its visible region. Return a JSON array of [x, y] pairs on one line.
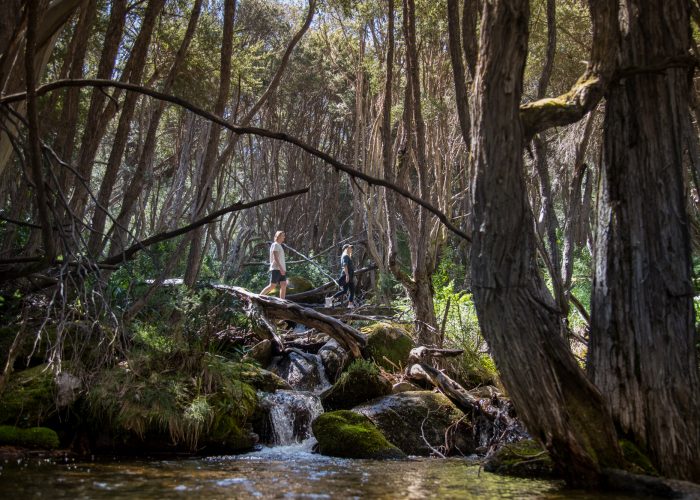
[[290, 414]]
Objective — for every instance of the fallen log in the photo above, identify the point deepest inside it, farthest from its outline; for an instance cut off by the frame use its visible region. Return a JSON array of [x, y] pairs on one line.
[[272, 308], [454, 392], [323, 289]]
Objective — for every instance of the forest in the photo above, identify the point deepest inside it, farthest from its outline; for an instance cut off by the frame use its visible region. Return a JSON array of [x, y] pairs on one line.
[[518, 183]]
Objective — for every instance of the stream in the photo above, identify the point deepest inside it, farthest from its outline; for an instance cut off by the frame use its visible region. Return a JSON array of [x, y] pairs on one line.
[[284, 466], [273, 472]]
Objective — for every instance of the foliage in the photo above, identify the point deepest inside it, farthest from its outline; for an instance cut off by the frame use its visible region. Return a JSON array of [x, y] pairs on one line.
[[346, 434], [474, 367], [191, 396]]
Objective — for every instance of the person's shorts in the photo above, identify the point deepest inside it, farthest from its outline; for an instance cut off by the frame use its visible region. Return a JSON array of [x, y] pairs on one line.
[[276, 276]]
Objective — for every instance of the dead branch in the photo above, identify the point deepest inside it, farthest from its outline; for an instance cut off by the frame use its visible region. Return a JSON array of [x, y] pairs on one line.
[[455, 392], [273, 308], [280, 136]]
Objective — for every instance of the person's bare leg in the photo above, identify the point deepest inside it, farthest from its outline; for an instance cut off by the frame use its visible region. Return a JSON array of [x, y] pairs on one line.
[[283, 289], [269, 288]]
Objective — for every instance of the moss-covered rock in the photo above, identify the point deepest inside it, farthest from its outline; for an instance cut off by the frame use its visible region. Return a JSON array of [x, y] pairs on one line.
[[261, 379], [29, 398], [361, 382], [525, 458], [637, 461], [347, 434], [298, 284], [34, 437], [420, 421], [388, 344]]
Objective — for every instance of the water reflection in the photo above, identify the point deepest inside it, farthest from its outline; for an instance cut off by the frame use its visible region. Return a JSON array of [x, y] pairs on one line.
[[285, 472]]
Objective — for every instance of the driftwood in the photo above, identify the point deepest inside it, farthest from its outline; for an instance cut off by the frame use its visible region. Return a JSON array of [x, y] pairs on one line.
[[423, 354], [323, 289], [272, 308], [418, 369], [454, 392]]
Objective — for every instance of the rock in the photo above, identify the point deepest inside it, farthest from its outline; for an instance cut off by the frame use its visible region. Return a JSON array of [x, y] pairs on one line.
[[404, 387], [29, 398], [525, 458], [260, 352], [262, 380], [388, 344], [35, 437], [68, 389], [298, 284], [409, 419], [361, 382], [334, 358], [304, 372], [347, 434]]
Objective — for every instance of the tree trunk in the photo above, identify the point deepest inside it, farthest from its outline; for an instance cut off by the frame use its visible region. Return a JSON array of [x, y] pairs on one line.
[[642, 350], [145, 164], [137, 60], [559, 406], [203, 196], [91, 137]]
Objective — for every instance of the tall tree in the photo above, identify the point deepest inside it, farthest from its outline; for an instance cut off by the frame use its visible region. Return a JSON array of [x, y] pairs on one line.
[[212, 149], [516, 312], [642, 350]]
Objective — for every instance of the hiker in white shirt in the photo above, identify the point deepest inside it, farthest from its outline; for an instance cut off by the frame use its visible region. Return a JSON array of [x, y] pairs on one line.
[[278, 267]]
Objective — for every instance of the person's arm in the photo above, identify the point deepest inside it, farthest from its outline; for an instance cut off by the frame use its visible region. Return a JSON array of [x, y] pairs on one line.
[[346, 269]]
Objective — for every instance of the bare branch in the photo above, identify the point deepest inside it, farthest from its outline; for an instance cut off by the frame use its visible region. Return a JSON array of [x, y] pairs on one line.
[[280, 136]]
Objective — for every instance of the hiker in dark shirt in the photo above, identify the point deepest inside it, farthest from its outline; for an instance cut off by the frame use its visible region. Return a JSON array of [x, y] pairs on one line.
[[346, 275]]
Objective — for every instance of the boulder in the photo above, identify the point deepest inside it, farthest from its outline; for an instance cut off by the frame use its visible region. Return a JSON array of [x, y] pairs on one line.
[[350, 435], [525, 458], [419, 422], [334, 358], [304, 372], [361, 382], [388, 344], [68, 389], [298, 284]]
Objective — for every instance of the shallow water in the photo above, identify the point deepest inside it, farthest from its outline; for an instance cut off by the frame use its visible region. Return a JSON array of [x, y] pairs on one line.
[[281, 472]]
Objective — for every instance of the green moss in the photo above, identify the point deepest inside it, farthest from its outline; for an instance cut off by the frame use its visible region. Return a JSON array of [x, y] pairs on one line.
[[347, 434], [35, 437], [28, 399], [261, 379], [388, 344], [361, 382], [525, 458], [298, 284], [638, 461]]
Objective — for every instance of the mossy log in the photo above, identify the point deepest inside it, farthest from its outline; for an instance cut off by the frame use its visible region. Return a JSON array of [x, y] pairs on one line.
[[271, 308]]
